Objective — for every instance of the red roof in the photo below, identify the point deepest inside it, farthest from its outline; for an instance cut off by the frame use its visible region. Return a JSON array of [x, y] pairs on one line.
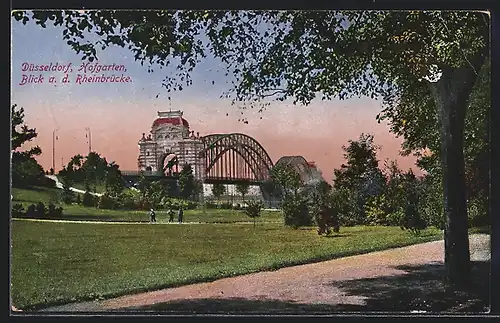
[[311, 164], [172, 121]]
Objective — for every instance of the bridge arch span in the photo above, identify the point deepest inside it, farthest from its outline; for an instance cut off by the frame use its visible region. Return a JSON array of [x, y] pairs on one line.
[[235, 155]]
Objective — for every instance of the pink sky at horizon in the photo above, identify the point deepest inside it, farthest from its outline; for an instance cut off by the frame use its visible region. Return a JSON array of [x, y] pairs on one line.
[[317, 134]]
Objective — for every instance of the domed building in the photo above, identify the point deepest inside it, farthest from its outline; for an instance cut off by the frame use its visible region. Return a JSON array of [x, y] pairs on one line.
[[170, 145]]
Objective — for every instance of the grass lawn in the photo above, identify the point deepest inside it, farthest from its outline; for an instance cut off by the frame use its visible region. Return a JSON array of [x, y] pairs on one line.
[[62, 262], [78, 212]]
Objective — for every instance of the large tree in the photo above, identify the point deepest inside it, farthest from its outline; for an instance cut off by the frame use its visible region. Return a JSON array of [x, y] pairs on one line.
[[302, 54], [417, 123], [360, 175], [25, 169]]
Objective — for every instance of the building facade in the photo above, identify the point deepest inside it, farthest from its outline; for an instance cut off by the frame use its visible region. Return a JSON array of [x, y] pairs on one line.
[[171, 142]]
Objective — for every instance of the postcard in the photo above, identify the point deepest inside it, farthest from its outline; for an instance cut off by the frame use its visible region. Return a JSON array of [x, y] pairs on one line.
[[250, 162]]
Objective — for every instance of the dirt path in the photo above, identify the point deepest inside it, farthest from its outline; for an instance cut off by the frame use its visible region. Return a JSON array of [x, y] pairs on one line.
[[132, 222], [318, 283]]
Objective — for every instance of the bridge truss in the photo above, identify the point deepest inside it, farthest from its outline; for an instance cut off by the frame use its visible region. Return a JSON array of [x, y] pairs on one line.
[[234, 157]]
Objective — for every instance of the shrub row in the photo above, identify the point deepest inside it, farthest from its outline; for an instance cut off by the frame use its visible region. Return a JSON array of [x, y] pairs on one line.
[[38, 210]]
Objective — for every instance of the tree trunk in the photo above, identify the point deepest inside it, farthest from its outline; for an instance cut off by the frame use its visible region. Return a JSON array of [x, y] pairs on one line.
[[451, 94]]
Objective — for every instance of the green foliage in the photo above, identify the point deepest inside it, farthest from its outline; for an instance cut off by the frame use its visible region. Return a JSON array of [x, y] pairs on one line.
[[345, 207], [478, 213], [17, 210], [21, 133], [271, 190], [359, 180], [25, 169], [130, 200], [286, 178], [78, 199], [296, 211], [377, 211], [105, 201], [292, 57], [89, 200], [218, 190], [253, 210], [242, 188], [54, 211], [40, 209], [95, 168], [114, 181], [67, 195], [187, 184], [431, 202]]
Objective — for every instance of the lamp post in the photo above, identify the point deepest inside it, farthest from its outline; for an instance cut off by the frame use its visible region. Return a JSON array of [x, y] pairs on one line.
[[54, 138], [88, 135]]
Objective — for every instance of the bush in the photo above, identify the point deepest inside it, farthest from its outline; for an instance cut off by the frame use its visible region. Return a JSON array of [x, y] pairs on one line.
[[88, 199], [17, 210], [106, 202], [47, 182], [31, 211], [127, 202], [412, 220], [78, 199], [295, 211], [477, 212], [376, 211], [396, 217], [345, 206], [67, 195], [40, 209], [54, 212], [253, 210]]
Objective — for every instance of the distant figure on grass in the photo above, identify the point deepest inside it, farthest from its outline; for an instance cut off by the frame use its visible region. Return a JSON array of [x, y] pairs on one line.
[[152, 216], [170, 215], [180, 215]]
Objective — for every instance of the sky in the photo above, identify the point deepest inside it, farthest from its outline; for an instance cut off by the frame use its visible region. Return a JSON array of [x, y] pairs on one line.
[[118, 113]]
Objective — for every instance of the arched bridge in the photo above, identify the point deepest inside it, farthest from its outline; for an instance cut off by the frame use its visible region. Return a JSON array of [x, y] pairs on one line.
[[234, 157]]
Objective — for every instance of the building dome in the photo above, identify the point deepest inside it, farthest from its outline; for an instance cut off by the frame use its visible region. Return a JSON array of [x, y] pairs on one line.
[[173, 121]]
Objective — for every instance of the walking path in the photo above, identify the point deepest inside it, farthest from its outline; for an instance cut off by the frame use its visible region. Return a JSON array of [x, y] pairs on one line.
[[318, 283], [134, 222], [76, 190]]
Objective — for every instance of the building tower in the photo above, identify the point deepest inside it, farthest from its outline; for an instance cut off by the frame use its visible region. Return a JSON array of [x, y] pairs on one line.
[[170, 139]]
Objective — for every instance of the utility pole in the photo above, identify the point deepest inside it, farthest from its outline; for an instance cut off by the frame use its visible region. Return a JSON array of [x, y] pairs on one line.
[[88, 135], [54, 138]]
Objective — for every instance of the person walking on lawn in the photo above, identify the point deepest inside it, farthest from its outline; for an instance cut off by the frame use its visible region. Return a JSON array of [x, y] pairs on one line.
[[180, 215], [170, 215], [152, 216]]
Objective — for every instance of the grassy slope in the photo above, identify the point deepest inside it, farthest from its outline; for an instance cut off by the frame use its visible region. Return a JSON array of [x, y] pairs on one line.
[[62, 262]]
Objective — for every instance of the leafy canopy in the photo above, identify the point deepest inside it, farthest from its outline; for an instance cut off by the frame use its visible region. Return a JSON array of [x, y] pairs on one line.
[[283, 54]]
